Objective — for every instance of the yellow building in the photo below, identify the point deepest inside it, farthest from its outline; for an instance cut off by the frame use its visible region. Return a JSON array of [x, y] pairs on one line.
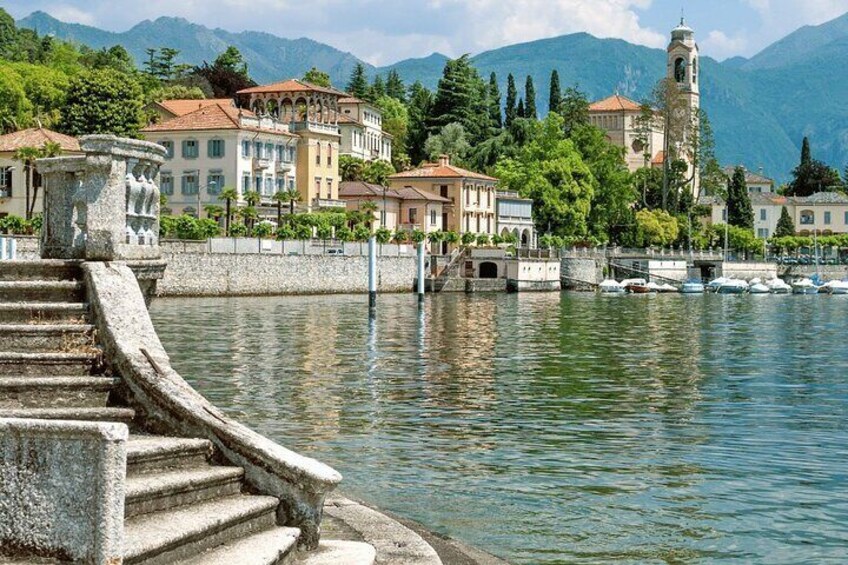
[[472, 195], [312, 112], [620, 118]]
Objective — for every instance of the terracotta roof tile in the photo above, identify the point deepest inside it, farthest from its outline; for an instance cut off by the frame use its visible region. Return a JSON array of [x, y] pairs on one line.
[[212, 117], [292, 85], [659, 158], [182, 107], [441, 171], [37, 137], [411, 193], [615, 103], [354, 189]]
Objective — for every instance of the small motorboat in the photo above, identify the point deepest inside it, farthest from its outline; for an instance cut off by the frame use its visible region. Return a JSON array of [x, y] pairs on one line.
[[693, 287], [654, 287], [636, 286], [835, 287], [778, 286], [732, 286], [759, 288], [668, 288], [714, 285], [610, 286], [804, 286]]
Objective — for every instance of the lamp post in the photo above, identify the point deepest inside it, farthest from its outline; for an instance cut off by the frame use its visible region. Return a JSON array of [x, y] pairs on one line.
[[200, 192]]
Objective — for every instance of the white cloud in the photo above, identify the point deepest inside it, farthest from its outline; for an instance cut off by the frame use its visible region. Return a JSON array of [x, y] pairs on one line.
[[721, 46], [70, 14]]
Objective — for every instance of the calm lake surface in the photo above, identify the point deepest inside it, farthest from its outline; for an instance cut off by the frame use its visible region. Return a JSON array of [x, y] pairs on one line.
[[552, 428]]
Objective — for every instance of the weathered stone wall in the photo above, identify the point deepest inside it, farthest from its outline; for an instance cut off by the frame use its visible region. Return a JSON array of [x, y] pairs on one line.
[[206, 274], [827, 272], [27, 247], [748, 271], [62, 490], [581, 274]]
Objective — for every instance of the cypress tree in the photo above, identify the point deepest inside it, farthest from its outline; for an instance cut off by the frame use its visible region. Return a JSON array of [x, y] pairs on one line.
[[556, 93], [520, 112], [378, 89], [530, 99], [806, 156], [740, 213], [460, 98], [420, 106], [395, 87], [785, 225], [511, 99], [358, 85], [495, 102]]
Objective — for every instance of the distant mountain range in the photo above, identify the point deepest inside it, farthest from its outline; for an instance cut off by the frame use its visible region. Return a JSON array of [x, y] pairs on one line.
[[760, 108]]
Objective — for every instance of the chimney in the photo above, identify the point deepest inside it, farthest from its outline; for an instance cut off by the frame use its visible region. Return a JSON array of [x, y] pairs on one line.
[[444, 160]]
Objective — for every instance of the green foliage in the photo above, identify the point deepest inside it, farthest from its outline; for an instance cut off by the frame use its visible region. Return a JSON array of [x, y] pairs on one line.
[[555, 99], [358, 84], [550, 171], [451, 140], [344, 233], [811, 175], [395, 87], [419, 108], [511, 111], [451, 237], [378, 172], [461, 98], [400, 236], [656, 227], [739, 239], [318, 78], [530, 99], [102, 101], [361, 233], [574, 109], [303, 231], [238, 230], [16, 109], [495, 115], [263, 230], [377, 90], [785, 225], [14, 225], [435, 236], [188, 227], [417, 236], [468, 238], [226, 75], [740, 213], [351, 168], [384, 235], [396, 124], [483, 239], [285, 233]]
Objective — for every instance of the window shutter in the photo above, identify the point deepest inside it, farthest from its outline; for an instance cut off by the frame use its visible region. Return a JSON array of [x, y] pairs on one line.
[[210, 148], [183, 183], [185, 148]]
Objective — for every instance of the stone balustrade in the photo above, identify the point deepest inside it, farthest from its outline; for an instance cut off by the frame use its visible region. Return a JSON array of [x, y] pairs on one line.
[[103, 205]]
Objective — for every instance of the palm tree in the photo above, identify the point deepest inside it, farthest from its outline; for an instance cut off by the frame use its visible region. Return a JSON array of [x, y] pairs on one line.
[[27, 156], [293, 196], [368, 207], [213, 211], [279, 197], [229, 195]]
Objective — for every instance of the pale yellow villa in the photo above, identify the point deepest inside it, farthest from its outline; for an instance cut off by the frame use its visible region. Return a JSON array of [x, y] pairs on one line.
[[405, 208]]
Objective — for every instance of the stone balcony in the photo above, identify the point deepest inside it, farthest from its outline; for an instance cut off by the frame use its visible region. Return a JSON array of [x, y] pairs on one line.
[[315, 127]]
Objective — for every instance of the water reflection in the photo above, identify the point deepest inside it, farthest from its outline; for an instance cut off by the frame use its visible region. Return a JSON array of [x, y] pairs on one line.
[[554, 429]]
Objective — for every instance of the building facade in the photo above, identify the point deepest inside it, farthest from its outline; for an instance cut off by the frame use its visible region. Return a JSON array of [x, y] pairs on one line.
[[515, 216], [13, 173], [312, 112], [642, 138], [472, 195], [361, 129], [405, 209]]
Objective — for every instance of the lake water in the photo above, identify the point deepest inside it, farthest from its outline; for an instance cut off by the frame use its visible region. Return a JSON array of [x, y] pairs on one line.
[[550, 428]]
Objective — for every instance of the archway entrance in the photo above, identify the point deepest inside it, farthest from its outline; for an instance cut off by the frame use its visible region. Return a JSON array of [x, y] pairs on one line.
[[488, 270]]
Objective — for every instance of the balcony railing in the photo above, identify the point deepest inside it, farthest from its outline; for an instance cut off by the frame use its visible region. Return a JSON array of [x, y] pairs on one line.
[[261, 164], [328, 203], [314, 127], [284, 166]]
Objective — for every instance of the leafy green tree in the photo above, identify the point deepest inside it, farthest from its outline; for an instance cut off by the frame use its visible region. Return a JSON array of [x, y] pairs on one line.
[[351, 168], [740, 213], [550, 171], [574, 109], [378, 172], [656, 227], [102, 101], [452, 140], [468, 238], [400, 236], [262, 230], [116, 58], [460, 99], [511, 111], [812, 176], [384, 235], [419, 108], [358, 84], [785, 225], [555, 100], [377, 90], [396, 124], [495, 102], [395, 87], [15, 108], [417, 236], [368, 208], [317, 77], [303, 232], [294, 198], [232, 60], [483, 239], [226, 75], [530, 99], [8, 35], [285, 233]]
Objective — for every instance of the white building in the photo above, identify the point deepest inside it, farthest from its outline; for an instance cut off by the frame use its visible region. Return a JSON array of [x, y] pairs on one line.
[[219, 146], [515, 216], [757, 183], [361, 125]]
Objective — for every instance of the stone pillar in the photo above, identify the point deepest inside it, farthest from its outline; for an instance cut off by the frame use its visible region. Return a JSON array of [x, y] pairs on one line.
[[103, 205]]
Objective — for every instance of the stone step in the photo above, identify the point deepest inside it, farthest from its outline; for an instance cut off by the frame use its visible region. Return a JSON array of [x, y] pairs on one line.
[[162, 538], [43, 312], [108, 414], [47, 337], [48, 364], [157, 453], [153, 492], [270, 547], [339, 552], [55, 392], [40, 270], [42, 291]]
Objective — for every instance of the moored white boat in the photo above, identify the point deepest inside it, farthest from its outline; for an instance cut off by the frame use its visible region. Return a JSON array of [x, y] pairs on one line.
[[835, 287], [759, 288], [610, 286], [714, 284], [668, 288], [732, 286], [778, 286], [804, 286], [693, 287], [653, 287]]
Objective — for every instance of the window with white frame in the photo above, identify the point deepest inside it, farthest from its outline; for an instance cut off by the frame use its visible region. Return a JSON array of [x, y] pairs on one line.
[[245, 148], [166, 183], [6, 182], [245, 184], [189, 183], [763, 214]]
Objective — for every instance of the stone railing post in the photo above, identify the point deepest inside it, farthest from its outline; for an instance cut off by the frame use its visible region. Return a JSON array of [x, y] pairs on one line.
[[103, 205]]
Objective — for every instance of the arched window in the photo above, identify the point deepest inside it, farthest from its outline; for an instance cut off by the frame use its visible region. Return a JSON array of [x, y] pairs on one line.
[[694, 70], [680, 70]]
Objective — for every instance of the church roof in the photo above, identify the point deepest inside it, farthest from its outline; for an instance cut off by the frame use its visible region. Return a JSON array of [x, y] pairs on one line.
[[615, 103]]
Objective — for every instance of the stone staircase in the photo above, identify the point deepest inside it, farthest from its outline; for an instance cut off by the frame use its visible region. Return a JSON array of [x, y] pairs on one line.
[[180, 506]]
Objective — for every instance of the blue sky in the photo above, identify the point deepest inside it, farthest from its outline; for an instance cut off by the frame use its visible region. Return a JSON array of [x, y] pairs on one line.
[[384, 31]]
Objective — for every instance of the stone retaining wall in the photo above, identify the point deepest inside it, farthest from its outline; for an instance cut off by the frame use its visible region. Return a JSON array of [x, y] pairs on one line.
[[206, 274], [581, 274]]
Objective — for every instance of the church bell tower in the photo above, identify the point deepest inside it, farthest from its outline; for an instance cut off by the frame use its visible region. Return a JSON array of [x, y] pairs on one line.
[[684, 71]]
